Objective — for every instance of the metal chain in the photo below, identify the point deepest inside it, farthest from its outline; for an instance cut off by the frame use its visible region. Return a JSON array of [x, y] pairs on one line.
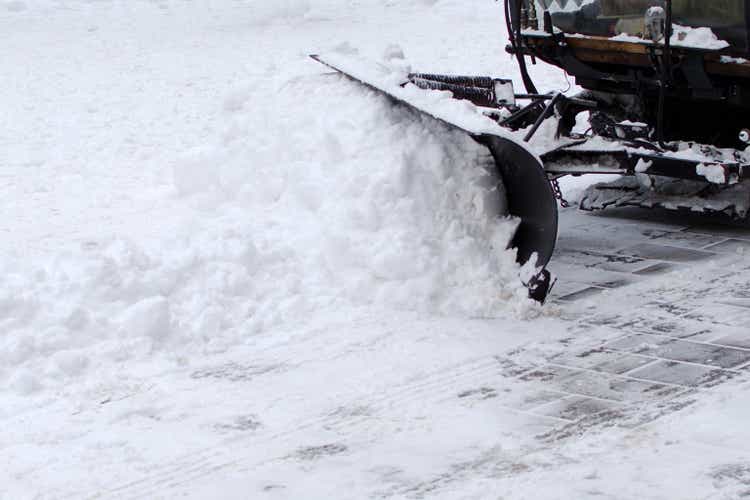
[[558, 192]]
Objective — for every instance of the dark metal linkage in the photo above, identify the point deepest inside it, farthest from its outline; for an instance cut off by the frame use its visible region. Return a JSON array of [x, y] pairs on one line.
[[623, 162], [557, 190], [545, 114]]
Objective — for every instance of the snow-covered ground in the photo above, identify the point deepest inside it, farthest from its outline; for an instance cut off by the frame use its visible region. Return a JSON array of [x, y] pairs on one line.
[[177, 179], [228, 273]]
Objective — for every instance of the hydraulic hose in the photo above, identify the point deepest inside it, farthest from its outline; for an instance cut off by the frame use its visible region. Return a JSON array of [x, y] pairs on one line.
[[513, 24], [666, 74]]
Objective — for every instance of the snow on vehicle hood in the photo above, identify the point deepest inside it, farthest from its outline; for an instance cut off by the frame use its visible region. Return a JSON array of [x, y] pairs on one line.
[[684, 37]]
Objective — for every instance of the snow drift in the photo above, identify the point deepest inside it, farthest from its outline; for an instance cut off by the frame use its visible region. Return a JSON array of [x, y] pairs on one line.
[[318, 196], [368, 203]]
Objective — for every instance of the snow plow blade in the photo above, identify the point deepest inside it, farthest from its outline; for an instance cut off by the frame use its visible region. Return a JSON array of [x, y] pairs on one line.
[[529, 194], [530, 198]]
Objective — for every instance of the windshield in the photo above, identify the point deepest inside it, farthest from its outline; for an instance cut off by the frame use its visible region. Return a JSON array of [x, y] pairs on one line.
[[726, 18]]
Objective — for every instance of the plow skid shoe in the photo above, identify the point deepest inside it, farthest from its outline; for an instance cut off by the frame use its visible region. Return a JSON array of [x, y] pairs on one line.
[[529, 194], [732, 202]]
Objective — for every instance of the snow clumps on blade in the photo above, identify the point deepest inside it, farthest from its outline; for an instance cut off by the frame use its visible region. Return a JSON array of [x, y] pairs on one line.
[[395, 60]]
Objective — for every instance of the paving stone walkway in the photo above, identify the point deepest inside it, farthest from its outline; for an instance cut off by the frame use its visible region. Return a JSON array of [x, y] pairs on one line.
[[656, 315], [650, 349]]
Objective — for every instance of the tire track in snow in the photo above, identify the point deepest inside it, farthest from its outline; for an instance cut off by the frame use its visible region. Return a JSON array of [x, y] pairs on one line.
[[429, 388]]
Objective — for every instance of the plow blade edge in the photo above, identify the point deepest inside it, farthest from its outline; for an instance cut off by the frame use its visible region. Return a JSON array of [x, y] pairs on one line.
[[529, 195]]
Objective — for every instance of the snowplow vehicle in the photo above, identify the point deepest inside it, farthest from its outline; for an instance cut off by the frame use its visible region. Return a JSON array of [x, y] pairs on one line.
[[665, 107]]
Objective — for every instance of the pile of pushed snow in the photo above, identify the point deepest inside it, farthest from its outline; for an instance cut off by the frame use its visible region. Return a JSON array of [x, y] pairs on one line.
[[319, 196], [369, 203]]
